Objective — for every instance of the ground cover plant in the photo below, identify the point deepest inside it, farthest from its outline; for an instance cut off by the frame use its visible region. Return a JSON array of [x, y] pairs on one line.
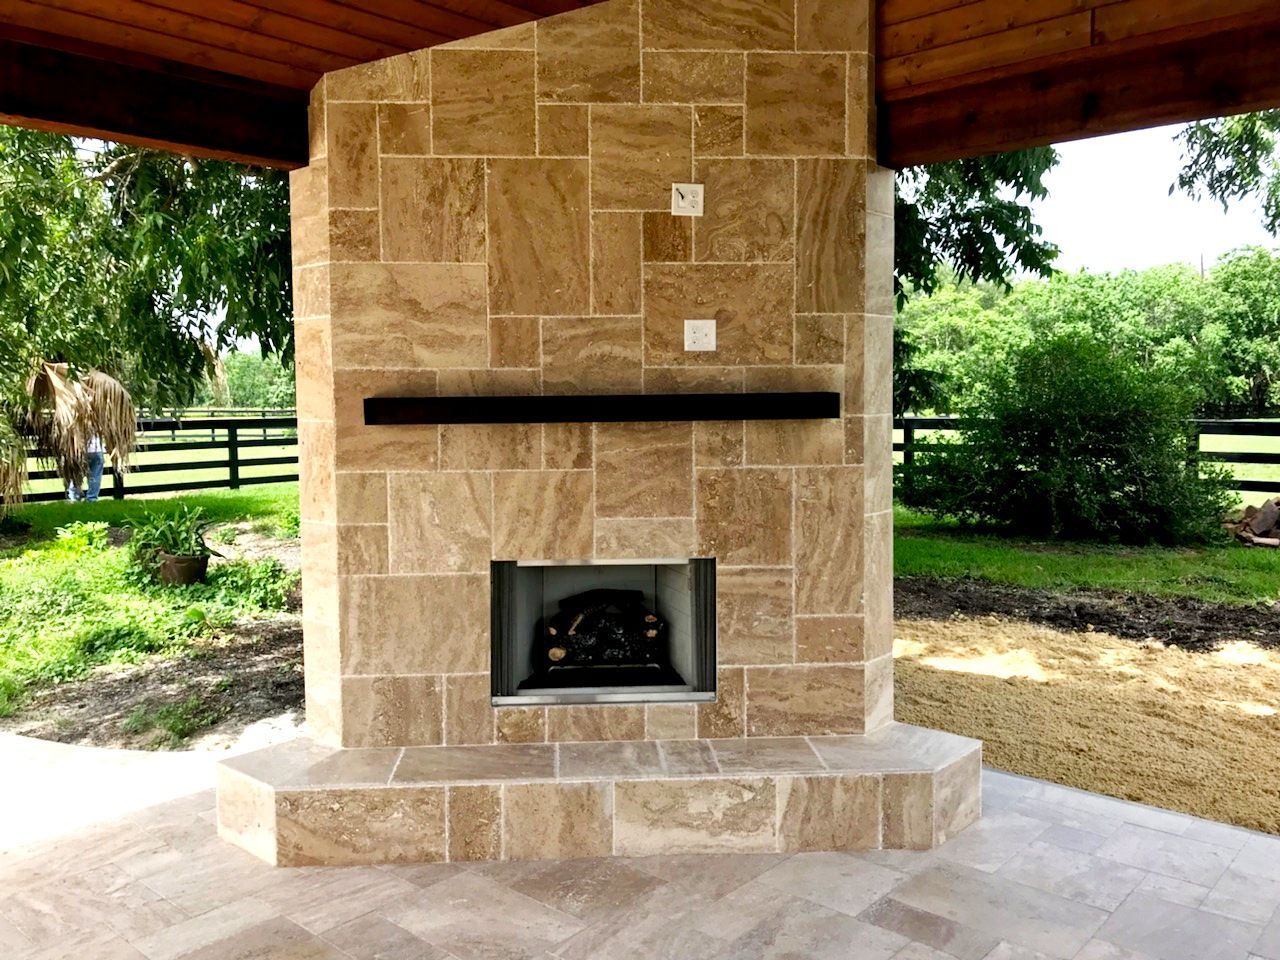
[[72, 597]]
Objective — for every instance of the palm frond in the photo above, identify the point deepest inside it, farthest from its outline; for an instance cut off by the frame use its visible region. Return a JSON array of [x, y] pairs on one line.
[[112, 416]]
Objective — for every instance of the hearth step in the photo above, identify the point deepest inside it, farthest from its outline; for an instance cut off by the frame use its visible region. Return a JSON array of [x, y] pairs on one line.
[[302, 803]]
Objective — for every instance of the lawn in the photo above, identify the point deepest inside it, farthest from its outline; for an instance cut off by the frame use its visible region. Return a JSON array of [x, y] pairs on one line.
[[71, 600], [1224, 574]]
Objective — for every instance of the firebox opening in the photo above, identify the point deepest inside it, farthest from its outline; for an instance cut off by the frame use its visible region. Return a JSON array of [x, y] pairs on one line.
[[603, 631]]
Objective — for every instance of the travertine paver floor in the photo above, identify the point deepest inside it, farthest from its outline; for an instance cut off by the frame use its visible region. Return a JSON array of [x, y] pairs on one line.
[[1049, 872]]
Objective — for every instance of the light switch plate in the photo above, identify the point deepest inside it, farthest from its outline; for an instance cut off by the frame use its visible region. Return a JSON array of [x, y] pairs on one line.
[[699, 335], [686, 199]]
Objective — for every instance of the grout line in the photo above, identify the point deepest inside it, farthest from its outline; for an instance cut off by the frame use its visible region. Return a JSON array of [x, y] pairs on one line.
[[395, 766]]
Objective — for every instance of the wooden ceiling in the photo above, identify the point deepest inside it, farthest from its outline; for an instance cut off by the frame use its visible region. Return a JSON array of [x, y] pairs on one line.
[[955, 77]]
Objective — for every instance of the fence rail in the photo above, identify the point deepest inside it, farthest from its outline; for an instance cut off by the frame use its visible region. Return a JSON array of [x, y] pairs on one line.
[[912, 426], [165, 445]]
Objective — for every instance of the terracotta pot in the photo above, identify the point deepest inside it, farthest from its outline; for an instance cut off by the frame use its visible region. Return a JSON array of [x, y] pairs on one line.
[[181, 570]]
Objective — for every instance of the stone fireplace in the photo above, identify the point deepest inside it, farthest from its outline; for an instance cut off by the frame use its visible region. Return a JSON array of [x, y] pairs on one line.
[[493, 218]]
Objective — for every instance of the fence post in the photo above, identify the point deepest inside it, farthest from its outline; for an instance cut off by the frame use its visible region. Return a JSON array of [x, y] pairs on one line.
[[117, 484], [233, 455], [908, 455], [1193, 443]]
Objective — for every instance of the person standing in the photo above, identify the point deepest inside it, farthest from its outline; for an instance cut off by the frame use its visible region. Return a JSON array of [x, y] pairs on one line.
[[93, 474]]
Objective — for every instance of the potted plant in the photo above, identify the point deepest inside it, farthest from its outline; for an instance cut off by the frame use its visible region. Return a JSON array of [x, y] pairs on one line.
[[172, 545]]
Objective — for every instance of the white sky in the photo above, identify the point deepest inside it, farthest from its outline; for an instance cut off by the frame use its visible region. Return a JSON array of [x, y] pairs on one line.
[[1109, 208]]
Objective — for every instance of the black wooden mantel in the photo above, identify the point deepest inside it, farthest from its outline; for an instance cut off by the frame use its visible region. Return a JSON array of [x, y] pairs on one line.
[[608, 408]]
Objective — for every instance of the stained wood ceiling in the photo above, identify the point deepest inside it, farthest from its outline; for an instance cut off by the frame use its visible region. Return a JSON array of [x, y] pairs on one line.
[[955, 77]]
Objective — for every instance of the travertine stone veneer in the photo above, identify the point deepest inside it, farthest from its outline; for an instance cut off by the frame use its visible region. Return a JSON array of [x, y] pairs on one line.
[[493, 216]]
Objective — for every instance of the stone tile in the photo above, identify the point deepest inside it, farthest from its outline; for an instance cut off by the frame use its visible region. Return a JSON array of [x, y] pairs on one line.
[[796, 104], [795, 442], [719, 25], [753, 610], [803, 929], [750, 210], [1191, 860], [819, 339], [361, 498], [394, 78], [952, 938], [375, 938], [897, 748], [907, 811], [643, 538], [751, 304], [592, 56], [522, 36], [957, 787], [999, 837], [667, 239], [404, 129], [353, 234], [592, 722], [637, 152], [828, 554], [651, 926], [918, 951], [475, 823], [711, 875], [432, 209], [726, 717], [644, 470], [821, 25], [352, 131], [556, 821], [628, 758], [718, 131], [480, 764], [718, 443], [1008, 951], [364, 448], [521, 724], [1244, 897], [1076, 876], [481, 919], [416, 624], [616, 256], [387, 711], [409, 315], [1268, 943], [1099, 950], [829, 640], [515, 342], [692, 816], [587, 889], [831, 258], [567, 446], [542, 515], [694, 77], [670, 721], [1169, 931], [1003, 909], [804, 700], [487, 383], [190, 935], [744, 516], [836, 881], [483, 102], [341, 827], [539, 237], [440, 522], [562, 130], [321, 900], [829, 813], [688, 758], [490, 446], [468, 709], [591, 354], [766, 755], [1259, 857], [693, 379]]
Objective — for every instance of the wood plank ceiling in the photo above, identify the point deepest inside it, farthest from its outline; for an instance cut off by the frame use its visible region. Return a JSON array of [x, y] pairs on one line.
[[955, 77]]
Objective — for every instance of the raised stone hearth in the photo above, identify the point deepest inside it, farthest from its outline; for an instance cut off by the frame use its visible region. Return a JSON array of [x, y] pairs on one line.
[[302, 804]]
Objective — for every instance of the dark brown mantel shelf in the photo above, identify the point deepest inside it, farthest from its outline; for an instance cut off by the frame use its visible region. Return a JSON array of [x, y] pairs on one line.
[[609, 408]]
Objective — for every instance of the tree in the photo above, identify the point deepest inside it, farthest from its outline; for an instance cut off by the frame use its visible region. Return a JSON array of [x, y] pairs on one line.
[[971, 219], [1232, 158]]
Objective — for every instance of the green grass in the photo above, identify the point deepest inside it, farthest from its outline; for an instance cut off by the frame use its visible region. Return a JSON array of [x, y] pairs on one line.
[[174, 723], [1223, 574], [70, 601]]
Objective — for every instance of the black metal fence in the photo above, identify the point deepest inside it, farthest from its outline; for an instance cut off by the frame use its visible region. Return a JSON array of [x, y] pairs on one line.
[[912, 427], [225, 452]]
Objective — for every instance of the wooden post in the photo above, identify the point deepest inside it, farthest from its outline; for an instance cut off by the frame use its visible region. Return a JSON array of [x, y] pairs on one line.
[[233, 455], [117, 484], [908, 455]]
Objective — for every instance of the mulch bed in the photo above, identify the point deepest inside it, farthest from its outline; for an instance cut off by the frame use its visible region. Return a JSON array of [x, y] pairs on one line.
[[1177, 621]]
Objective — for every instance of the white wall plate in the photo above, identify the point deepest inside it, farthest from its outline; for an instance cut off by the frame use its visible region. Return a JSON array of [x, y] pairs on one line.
[[699, 335], [686, 199]]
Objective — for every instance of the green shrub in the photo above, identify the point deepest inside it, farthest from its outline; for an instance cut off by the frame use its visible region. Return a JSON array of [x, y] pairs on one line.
[[1069, 440], [260, 583], [178, 532]]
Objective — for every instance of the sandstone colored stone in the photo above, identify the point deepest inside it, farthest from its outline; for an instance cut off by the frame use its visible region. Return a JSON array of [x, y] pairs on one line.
[[557, 821], [794, 442], [361, 498], [718, 443], [831, 218], [643, 538], [360, 447], [562, 130], [433, 209], [490, 446], [750, 210], [820, 338], [833, 25], [744, 516], [353, 235], [670, 721], [754, 615], [616, 256], [521, 724], [907, 811], [719, 25], [439, 522], [515, 342], [667, 238], [361, 548], [592, 56], [591, 355], [694, 816], [483, 102], [415, 624], [595, 722], [406, 77], [392, 711], [567, 446], [726, 716], [468, 709], [829, 813], [637, 152], [796, 104], [644, 470], [804, 700], [475, 823], [718, 131], [542, 515], [828, 557], [350, 827], [352, 130], [829, 640], [696, 77], [404, 129]]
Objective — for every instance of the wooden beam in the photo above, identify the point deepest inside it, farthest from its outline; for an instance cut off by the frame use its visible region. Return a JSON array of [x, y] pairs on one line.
[[1107, 89], [90, 96]]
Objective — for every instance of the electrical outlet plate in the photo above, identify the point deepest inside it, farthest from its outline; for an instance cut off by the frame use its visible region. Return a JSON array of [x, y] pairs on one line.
[[686, 199], [699, 335]]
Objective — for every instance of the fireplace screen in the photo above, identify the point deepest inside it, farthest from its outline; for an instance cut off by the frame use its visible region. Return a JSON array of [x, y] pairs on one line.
[[603, 631]]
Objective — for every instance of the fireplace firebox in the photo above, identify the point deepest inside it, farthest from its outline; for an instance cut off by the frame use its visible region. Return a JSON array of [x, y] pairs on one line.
[[603, 631]]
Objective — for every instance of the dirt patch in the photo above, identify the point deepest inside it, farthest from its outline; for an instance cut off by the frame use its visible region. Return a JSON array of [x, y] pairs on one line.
[[1179, 621], [1190, 730], [252, 544], [205, 700]]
